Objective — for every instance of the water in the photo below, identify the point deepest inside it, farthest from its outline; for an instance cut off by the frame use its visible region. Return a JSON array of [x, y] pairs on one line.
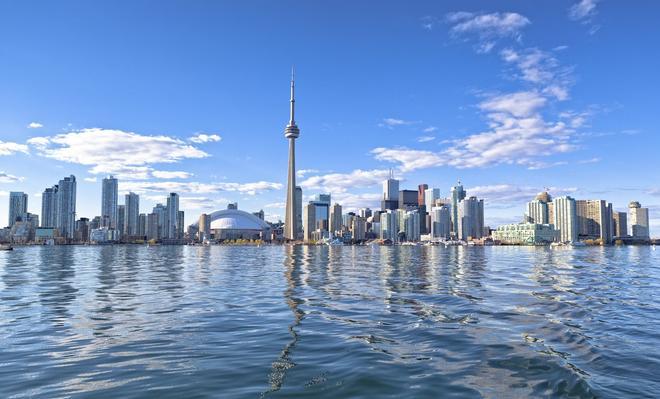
[[284, 322]]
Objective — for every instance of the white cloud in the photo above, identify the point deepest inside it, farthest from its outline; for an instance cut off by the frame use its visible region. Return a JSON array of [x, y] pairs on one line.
[[7, 178], [519, 104], [303, 172], [583, 9], [393, 122], [488, 28], [9, 148], [165, 174], [205, 138], [540, 68], [90, 179], [430, 129], [179, 187], [337, 183], [592, 160], [125, 154], [34, 125], [202, 203], [424, 139], [409, 159], [276, 205]]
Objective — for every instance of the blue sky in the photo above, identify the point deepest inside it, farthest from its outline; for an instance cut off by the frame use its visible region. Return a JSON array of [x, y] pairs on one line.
[[508, 96]]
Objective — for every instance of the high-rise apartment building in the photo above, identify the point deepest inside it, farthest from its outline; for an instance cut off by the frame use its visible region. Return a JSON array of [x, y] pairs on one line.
[[470, 218], [639, 220], [565, 218], [172, 226], [121, 220], [109, 202], [18, 204], [309, 222], [131, 214], [440, 222], [48, 206], [620, 224], [65, 207], [457, 195], [594, 219], [431, 195], [336, 221]]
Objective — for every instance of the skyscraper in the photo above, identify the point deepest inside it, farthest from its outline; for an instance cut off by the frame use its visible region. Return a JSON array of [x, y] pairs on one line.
[[65, 208], [291, 132], [421, 194], [109, 198], [309, 222], [470, 218], [440, 221], [18, 203], [457, 195], [565, 219], [172, 217], [594, 219], [639, 220], [620, 224], [121, 219], [390, 194], [336, 221], [430, 196], [48, 203], [131, 214]]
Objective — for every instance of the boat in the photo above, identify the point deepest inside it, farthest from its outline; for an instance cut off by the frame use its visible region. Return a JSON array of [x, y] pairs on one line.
[[6, 247]]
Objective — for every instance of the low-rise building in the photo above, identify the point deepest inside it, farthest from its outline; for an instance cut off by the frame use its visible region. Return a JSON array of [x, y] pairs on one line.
[[526, 234]]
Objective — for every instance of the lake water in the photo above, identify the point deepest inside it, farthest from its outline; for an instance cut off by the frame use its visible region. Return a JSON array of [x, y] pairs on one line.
[[288, 322]]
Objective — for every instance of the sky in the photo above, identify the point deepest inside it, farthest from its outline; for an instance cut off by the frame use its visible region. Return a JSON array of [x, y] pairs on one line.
[[509, 97]]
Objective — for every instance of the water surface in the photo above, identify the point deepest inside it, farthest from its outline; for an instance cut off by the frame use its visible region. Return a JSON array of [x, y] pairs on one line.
[[287, 322]]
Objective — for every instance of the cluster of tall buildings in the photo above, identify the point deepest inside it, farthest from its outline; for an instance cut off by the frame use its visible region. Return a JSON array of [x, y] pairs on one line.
[[569, 220], [117, 222]]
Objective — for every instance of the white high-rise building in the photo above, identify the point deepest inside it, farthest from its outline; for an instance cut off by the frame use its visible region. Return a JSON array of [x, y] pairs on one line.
[[457, 195], [430, 196], [336, 221], [565, 218], [440, 222], [638, 220], [537, 212], [172, 217], [389, 225], [470, 218], [48, 206], [18, 203], [131, 214], [65, 208], [109, 204], [411, 225]]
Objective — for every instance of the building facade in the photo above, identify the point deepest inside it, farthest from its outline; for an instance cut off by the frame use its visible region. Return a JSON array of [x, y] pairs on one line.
[[470, 218], [639, 220], [526, 234], [109, 202], [565, 219], [18, 205]]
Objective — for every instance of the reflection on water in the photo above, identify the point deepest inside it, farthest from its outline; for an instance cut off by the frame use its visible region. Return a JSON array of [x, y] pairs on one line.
[[297, 321]]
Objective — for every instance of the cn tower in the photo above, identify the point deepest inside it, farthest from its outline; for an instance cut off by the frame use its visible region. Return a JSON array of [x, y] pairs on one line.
[[291, 132]]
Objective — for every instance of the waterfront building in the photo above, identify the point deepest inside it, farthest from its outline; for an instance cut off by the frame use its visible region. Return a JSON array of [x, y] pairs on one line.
[[336, 221], [261, 215], [48, 206], [358, 228], [421, 194], [131, 214], [639, 220], [109, 202], [65, 207], [142, 225], [440, 222], [538, 210], [411, 225], [180, 225], [470, 218], [565, 219], [291, 132], [457, 195], [526, 234], [153, 226], [620, 224], [18, 204], [365, 212], [46, 235], [121, 220], [160, 211], [389, 225], [204, 227], [95, 223], [172, 217], [232, 224], [594, 219], [309, 222], [82, 230], [390, 194]]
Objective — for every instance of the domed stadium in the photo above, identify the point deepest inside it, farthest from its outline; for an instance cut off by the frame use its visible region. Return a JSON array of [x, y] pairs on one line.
[[233, 224]]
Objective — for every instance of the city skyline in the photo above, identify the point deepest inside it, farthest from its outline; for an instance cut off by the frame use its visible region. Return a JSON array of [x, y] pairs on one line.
[[358, 124]]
